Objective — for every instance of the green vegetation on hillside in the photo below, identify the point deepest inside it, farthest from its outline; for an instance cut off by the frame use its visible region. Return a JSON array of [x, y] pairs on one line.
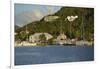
[[82, 26]]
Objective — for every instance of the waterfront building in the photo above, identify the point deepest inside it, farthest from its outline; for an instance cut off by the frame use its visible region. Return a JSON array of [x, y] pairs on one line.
[[36, 37]]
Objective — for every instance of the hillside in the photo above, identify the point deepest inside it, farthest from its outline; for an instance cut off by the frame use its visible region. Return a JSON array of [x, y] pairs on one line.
[[16, 27], [57, 23]]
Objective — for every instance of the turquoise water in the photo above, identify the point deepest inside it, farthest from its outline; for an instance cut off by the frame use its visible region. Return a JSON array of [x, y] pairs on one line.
[[52, 54]]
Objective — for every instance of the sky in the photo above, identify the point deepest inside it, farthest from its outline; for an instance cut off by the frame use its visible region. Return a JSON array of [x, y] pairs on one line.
[[26, 13]]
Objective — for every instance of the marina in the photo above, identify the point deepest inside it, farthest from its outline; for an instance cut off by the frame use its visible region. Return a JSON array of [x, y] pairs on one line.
[[53, 34]]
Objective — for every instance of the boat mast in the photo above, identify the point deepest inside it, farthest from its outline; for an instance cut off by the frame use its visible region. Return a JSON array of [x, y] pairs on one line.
[[82, 28], [61, 27], [26, 31]]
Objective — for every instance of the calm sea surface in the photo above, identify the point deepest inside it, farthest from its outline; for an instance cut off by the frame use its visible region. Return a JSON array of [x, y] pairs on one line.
[[52, 54]]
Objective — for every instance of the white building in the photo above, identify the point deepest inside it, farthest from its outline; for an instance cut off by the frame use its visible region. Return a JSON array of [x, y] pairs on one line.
[[50, 18], [35, 37], [62, 37]]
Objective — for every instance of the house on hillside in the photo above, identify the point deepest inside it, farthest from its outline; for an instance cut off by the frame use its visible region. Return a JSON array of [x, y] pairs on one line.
[[36, 37], [62, 36], [50, 18], [61, 39]]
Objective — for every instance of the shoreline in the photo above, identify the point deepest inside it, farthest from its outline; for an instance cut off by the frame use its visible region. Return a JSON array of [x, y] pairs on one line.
[[29, 44]]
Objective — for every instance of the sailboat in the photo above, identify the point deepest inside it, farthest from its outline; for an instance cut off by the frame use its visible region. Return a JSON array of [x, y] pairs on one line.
[[27, 43], [83, 42], [62, 38], [71, 41]]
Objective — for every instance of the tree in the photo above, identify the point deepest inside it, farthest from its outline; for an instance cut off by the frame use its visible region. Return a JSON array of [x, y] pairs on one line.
[[82, 27], [42, 37], [77, 35]]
